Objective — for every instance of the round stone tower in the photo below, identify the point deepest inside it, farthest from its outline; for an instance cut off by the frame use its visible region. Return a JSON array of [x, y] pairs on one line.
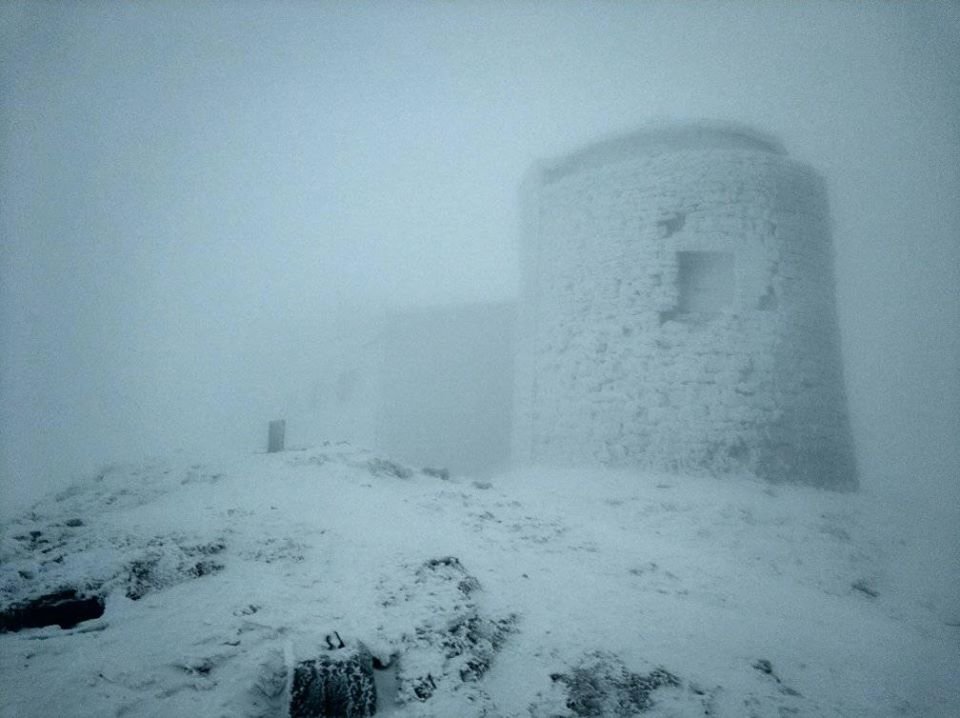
[[678, 310]]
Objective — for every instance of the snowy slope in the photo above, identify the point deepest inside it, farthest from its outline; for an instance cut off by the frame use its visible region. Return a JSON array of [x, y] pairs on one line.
[[759, 601]]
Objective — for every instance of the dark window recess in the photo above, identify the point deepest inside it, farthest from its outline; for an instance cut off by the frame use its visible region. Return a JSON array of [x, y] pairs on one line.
[[705, 286]]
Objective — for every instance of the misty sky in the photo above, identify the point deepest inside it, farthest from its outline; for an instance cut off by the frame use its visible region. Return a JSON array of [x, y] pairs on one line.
[[190, 192]]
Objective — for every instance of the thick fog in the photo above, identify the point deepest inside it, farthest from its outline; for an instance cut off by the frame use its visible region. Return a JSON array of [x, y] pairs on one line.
[[197, 198]]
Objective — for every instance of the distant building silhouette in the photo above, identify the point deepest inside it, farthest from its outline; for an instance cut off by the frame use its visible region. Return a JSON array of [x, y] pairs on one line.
[[677, 313]]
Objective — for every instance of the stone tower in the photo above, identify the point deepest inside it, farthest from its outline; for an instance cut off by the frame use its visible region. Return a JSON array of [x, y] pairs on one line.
[[678, 310]]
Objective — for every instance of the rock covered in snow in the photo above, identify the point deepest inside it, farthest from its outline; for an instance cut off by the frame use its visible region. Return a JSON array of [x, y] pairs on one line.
[[336, 684], [602, 686], [455, 642]]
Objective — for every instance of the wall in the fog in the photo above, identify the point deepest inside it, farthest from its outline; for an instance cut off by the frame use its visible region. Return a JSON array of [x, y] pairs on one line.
[[678, 310], [446, 386], [188, 188]]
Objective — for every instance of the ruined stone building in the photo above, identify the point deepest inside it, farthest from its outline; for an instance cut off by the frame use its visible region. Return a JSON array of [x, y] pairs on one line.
[[678, 310], [677, 313]]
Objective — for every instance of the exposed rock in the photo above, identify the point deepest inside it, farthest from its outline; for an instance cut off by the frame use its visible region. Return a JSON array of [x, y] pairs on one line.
[[337, 684], [167, 562], [766, 668], [384, 467], [454, 645], [601, 686], [865, 586], [449, 570], [64, 608]]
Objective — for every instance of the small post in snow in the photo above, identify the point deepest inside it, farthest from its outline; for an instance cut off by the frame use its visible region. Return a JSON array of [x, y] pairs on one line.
[[275, 436]]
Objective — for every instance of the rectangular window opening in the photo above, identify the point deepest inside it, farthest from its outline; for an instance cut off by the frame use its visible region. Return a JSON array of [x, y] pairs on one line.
[[705, 281]]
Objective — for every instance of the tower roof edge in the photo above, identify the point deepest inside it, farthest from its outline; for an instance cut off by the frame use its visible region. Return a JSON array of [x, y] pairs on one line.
[[663, 137]]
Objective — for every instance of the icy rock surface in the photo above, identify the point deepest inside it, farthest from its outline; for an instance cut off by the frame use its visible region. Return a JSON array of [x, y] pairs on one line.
[[453, 646], [601, 686], [65, 609], [167, 561]]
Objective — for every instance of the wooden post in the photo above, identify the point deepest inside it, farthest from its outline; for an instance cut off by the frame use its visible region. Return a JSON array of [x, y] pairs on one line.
[[275, 435]]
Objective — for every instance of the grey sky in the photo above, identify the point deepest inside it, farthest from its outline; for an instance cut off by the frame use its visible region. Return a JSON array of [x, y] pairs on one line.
[[189, 189]]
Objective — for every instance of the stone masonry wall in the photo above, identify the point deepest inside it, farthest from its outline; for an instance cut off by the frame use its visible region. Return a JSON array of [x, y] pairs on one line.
[[678, 313]]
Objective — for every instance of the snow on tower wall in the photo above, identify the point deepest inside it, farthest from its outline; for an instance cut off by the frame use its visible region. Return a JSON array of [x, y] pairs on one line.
[[678, 310]]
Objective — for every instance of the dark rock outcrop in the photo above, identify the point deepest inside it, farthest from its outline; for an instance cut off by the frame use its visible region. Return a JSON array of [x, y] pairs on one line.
[[601, 686], [167, 562], [455, 646], [337, 684], [65, 608]]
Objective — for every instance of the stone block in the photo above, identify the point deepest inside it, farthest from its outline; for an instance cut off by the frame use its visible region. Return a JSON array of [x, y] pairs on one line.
[[336, 684]]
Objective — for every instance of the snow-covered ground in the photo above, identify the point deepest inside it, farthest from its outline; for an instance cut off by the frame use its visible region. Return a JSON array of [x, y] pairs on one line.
[[757, 600]]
